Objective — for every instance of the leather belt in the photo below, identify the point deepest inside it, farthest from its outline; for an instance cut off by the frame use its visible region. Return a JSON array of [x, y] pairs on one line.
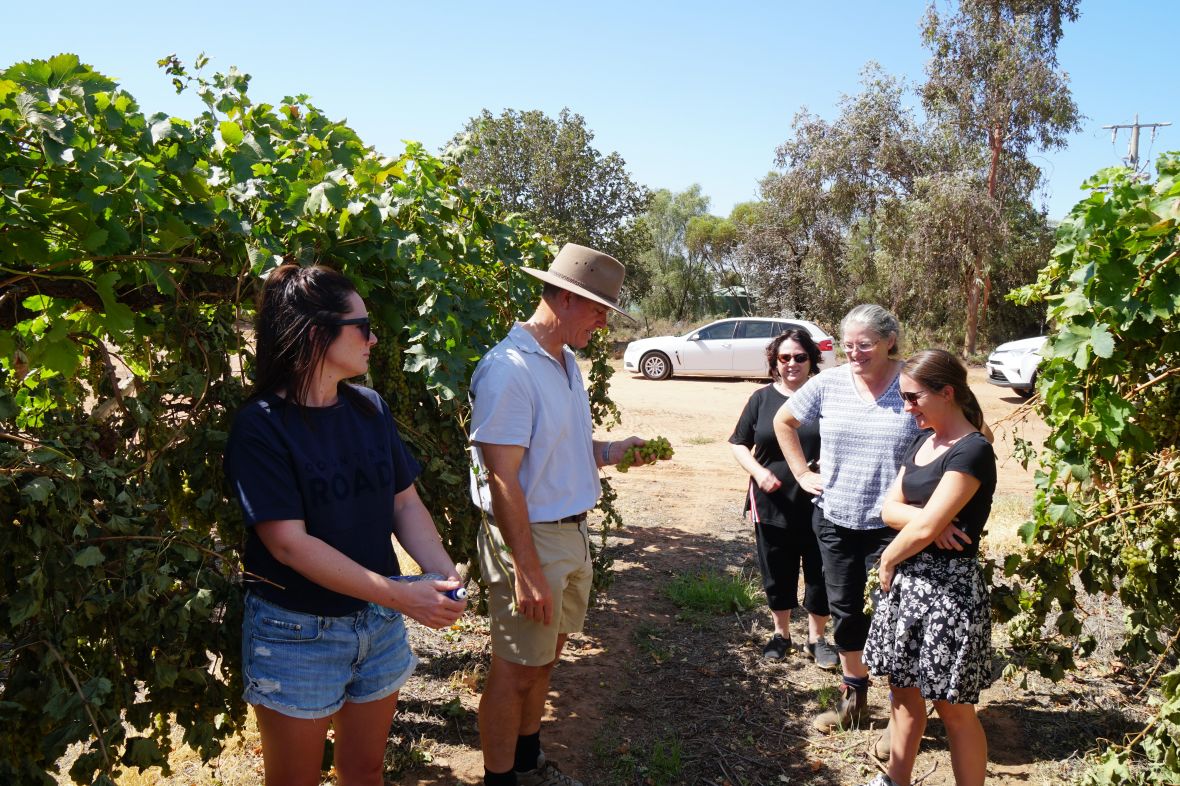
[[576, 519]]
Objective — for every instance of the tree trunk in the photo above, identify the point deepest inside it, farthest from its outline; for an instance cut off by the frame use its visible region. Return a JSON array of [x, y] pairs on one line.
[[996, 143], [973, 287], [987, 293], [979, 282]]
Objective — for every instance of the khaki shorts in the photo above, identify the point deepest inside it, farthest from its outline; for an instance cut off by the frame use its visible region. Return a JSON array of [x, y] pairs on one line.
[[564, 550]]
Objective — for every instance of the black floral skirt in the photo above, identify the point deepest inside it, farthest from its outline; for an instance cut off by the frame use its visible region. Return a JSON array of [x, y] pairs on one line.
[[933, 631]]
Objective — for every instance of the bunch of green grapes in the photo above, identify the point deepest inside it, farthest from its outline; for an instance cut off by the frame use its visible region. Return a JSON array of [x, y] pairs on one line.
[[654, 448], [872, 582]]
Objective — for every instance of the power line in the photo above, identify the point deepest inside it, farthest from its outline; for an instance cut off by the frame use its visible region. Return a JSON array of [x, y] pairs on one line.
[[1132, 158]]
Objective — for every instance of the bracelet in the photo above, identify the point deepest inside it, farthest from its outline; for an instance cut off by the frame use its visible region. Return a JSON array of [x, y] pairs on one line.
[[606, 453]]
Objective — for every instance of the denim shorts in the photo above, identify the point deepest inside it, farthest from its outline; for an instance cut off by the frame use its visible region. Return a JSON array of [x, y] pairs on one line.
[[307, 666]]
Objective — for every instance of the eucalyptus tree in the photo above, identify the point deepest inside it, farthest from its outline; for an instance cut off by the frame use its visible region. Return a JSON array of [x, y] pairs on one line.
[[812, 245], [769, 266], [690, 257], [547, 170], [681, 283], [994, 78], [883, 204], [712, 239]]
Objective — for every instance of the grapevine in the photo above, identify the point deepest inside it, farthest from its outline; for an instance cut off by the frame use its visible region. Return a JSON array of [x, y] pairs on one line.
[[132, 252], [653, 449], [1106, 516]]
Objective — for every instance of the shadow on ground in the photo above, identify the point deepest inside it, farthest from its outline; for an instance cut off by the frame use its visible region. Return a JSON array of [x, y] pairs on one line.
[[651, 698], [690, 700]]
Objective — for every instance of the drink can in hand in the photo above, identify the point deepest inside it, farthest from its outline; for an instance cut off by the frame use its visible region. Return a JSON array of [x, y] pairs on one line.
[[459, 593]]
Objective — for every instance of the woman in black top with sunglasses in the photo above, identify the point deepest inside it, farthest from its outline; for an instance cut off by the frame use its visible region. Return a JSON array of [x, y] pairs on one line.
[[325, 482], [931, 632], [780, 510]]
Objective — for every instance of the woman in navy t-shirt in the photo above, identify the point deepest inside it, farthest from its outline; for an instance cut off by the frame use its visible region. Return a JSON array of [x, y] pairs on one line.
[[931, 632], [325, 483]]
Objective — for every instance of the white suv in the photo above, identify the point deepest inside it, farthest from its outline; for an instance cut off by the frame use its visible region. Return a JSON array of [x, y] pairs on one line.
[[726, 348], [1014, 365]]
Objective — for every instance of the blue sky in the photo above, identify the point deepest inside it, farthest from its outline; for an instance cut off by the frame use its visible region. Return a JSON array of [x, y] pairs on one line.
[[686, 92]]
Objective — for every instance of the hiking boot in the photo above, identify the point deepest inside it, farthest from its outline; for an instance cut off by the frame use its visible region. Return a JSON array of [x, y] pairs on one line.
[[850, 709], [777, 648], [546, 774], [881, 745], [823, 653]]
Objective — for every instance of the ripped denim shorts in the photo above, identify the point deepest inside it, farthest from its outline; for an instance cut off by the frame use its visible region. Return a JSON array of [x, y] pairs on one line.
[[307, 666]]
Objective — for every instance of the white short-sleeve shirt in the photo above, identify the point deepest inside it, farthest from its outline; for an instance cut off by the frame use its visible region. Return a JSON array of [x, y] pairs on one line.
[[522, 395]]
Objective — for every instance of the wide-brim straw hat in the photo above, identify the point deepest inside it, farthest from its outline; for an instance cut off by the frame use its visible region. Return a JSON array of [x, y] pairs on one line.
[[586, 272]]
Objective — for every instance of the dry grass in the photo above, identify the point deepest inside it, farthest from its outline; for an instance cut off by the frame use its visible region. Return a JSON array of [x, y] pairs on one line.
[[1009, 512], [240, 764]]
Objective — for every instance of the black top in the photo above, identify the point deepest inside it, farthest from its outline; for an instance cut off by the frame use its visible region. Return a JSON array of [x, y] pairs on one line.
[[972, 455], [755, 430], [336, 469]]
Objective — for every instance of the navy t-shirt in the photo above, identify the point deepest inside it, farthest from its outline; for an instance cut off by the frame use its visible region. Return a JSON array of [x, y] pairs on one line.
[[755, 430], [335, 468], [972, 455]]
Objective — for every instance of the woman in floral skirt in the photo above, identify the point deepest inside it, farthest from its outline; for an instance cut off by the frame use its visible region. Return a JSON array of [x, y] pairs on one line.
[[931, 633]]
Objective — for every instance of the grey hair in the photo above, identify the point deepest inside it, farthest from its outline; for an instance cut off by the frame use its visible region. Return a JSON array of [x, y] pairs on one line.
[[877, 319]]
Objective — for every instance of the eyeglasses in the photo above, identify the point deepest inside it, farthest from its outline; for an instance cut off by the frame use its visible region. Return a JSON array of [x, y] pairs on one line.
[[912, 397], [799, 358], [361, 322], [860, 346]]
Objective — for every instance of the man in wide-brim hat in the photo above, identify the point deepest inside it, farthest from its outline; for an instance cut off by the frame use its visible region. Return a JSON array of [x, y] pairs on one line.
[[536, 475]]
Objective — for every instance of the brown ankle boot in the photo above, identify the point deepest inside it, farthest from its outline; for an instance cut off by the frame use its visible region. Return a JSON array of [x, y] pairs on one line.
[[851, 707]]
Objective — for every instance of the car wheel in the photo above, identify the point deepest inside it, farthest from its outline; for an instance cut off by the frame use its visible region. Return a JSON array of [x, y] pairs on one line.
[[1028, 391], [655, 365]]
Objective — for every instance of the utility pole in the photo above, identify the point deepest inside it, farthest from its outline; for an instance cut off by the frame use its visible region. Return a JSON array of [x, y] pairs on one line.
[[1133, 148]]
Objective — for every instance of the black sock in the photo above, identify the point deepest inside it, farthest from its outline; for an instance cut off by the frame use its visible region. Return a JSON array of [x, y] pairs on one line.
[[499, 778], [528, 750], [859, 683]]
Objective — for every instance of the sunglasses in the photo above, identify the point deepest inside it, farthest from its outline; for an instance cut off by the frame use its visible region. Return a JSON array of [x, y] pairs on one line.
[[799, 358], [360, 322], [912, 397]]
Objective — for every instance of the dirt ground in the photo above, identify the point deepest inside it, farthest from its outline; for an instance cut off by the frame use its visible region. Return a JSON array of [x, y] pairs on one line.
[[647, 696]]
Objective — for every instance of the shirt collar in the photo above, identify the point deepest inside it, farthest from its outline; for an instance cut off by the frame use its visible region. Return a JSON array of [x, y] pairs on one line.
[[527, 342]]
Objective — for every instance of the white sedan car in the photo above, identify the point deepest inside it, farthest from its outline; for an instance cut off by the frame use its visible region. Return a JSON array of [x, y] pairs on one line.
[[1014, 364], [726, 348]]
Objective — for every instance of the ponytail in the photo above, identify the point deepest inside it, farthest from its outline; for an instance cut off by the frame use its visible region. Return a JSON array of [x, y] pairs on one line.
[[971, 409]]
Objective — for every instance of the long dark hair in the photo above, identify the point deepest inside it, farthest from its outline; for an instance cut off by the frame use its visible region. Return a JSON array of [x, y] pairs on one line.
[[934, 369], [803, 339], [293, 330]]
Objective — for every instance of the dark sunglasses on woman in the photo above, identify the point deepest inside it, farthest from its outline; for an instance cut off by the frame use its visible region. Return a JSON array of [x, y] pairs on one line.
[[360, 322]]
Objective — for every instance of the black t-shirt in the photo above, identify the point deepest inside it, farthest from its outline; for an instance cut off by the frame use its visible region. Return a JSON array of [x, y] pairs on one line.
[[755, 430], [972, 455], [335, 468]]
